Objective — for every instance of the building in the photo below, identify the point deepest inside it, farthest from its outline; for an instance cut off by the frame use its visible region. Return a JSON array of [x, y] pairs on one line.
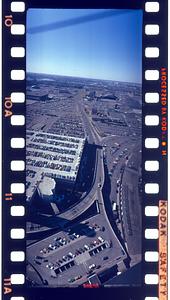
[[46, 189], [49, 155], [37, 95]]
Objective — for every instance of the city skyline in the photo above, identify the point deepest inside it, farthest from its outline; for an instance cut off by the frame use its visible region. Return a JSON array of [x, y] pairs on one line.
[[118, 59]]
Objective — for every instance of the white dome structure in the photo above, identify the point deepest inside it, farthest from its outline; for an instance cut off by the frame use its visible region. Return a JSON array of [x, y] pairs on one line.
[[46, 188]]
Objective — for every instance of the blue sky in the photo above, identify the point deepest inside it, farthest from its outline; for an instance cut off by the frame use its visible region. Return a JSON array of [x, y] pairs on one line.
[[103, 48]]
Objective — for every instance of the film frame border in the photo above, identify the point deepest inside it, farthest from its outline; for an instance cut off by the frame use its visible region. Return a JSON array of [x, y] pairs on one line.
[[154, 66]]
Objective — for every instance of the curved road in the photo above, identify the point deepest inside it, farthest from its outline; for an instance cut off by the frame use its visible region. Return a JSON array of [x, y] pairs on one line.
[[89, 199]]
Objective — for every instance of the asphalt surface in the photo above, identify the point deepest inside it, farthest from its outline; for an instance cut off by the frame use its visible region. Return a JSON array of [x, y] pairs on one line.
[[82, 262], [84, 204], [111, 249], [123, 168], [130, 206]]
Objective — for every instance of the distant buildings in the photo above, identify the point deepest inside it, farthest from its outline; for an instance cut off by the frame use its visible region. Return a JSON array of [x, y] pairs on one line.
[[108, 97], [37, 95], [49, 155]]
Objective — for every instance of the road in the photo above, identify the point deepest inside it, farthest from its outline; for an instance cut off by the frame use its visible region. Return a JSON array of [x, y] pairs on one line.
[[79, 208], [115, 257]]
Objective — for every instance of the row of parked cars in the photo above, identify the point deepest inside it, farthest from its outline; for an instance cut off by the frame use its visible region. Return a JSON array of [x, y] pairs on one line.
[[88, 247], [65, 260], [57, 243]]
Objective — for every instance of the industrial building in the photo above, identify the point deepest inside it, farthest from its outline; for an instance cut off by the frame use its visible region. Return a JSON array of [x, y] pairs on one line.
[[54, 156]]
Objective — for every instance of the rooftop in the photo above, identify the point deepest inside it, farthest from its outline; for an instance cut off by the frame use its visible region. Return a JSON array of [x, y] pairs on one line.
[[46, 186], [37, 93], [51, 155]]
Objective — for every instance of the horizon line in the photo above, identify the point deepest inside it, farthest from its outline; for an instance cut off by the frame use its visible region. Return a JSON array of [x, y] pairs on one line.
[[140, 83]]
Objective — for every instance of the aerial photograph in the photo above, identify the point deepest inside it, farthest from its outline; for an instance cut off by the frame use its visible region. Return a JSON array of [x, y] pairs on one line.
[[83, 147]]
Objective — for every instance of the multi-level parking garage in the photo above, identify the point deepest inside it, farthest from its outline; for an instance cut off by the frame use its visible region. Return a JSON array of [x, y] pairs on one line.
[[68, 248], [51, 155]]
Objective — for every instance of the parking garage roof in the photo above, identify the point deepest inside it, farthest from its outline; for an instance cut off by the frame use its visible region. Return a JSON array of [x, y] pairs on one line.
[[52, 155]]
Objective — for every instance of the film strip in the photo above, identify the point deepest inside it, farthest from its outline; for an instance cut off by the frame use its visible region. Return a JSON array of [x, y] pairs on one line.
[[154, 153]]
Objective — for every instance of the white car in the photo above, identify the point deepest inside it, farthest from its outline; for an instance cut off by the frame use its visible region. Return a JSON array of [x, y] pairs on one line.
[[92, 266], [71, 254], [86, 247], [100, 239]]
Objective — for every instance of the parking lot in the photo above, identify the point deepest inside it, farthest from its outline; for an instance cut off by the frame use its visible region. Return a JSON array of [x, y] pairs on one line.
[[70, 257], [108, 116]]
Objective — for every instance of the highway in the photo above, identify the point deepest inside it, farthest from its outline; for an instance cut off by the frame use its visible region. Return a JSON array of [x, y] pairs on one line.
[[99, 234], [80, 207], [115, 257], [82, 262], [95, 192], [130, 206]]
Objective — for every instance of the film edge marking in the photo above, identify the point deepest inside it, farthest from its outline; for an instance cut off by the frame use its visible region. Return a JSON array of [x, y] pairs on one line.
[[163, 231]]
